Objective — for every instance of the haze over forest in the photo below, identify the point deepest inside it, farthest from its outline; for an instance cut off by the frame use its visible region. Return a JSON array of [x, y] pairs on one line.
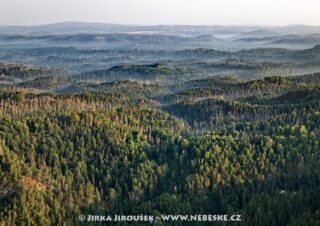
[[108, 119]]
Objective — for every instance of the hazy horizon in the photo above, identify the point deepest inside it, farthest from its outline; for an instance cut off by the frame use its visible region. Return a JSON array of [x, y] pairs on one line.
[[165, 12], [128, 24]]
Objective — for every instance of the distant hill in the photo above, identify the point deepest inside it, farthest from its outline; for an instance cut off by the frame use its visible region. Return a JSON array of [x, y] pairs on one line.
[[102, 28], [25, 72], [45, 83], [201, 53], [113, 37], [311, 39], [131, 88], [268, 39], [292, 39], [312, 54], [125, 72], [258, 34]]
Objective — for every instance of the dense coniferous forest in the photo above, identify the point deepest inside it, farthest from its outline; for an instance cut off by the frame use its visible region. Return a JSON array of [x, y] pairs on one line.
[[157, 128]]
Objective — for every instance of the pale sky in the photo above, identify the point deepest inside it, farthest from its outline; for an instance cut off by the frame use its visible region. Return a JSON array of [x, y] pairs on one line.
[[193, 12]]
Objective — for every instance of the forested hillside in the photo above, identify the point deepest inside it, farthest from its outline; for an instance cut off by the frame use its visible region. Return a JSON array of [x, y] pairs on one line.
[[252, 148]]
